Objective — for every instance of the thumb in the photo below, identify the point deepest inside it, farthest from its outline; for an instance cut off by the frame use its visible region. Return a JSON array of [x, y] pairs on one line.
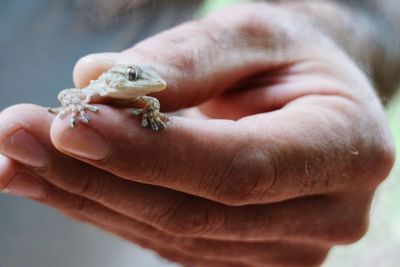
[[201, 59]]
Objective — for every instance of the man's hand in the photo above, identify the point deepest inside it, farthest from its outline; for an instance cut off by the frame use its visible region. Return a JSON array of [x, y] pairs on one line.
[[282, 168]]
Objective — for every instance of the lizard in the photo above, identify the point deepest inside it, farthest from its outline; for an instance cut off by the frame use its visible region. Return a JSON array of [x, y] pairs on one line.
[[123, 84]]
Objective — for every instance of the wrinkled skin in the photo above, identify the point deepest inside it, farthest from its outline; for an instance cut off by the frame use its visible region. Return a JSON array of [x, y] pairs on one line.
[[277, 162]]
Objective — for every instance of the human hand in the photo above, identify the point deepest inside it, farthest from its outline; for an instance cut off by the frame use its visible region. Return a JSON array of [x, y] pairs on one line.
[[287, 171]]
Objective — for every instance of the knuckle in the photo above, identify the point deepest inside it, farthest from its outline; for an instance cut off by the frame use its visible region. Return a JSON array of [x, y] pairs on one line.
[[315, 259], [251, 24], [373, 164], [193, 41], [194, 245], [187, 218], [187, 59], [22, 116], [195, 50], [352, 232], [384, 158], [92, 187], [246, 178], [154, 174], [83, 206], [349, 228]]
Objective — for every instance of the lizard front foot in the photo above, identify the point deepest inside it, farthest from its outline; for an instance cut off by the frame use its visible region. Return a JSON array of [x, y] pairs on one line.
[[76, 111], [152, 117], [75, 102]]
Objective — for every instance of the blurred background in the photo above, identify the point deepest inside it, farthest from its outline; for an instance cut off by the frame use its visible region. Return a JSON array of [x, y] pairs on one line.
[[40, 41]]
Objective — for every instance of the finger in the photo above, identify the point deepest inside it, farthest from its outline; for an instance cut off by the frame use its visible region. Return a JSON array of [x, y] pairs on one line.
[[254, 253], [223, 252], [200, 59], [168, 251], [179, 213], [19, 181], [272, 90], [274, 255], [259, 159], [90, 212], [165, 250]]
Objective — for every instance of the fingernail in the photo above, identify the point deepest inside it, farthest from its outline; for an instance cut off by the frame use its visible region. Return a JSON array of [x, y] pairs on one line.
[[85, 143], [25, 185], [23, 147], [6, 171]]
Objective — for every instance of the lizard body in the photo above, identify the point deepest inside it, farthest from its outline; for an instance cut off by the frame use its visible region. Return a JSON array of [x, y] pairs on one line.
[[122, 84]]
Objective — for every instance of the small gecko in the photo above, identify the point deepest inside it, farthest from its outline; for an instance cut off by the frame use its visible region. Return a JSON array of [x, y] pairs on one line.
[[122, 84]]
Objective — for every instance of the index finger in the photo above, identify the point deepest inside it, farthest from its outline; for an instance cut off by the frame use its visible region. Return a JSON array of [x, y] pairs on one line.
[[252, 161]]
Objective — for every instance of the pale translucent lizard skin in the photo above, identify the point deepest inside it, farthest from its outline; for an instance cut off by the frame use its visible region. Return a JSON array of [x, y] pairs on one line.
[[123, 84]]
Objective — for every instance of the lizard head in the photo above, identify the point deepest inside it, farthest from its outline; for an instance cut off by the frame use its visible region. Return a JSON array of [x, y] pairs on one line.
[[128, 81]]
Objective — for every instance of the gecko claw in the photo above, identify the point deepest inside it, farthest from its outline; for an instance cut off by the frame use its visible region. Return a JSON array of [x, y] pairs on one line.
[[84, 117], [137, 111], [154, 118], [92, 108], [161, 124], [154, 126], [72, 121], [145, 121]]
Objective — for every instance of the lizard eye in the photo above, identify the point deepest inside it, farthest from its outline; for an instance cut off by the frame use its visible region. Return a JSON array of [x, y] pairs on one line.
[[133, 74]]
